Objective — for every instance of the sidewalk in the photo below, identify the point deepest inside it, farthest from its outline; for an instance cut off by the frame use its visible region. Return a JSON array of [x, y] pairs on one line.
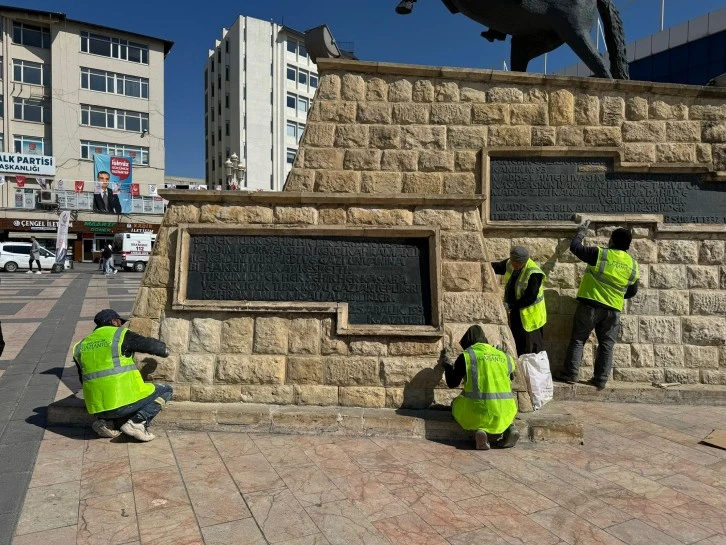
[[640, 478]]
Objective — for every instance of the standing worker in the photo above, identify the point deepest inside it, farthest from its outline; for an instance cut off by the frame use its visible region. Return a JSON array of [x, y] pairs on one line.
[[611, 278], [524, 298], [487, 405], [113, 389]]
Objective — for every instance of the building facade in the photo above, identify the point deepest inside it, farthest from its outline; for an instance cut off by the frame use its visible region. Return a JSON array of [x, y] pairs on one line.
[[691, 53], [71, 90], [259, 83]]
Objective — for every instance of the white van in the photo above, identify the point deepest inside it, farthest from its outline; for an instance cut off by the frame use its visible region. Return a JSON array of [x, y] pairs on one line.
[[16, 255], [132, 250]]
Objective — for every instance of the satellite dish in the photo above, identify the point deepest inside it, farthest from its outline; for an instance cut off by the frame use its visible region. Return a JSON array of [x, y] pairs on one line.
[[320, 43]]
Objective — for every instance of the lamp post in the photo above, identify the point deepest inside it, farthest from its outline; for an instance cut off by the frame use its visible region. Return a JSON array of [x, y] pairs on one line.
[[235, 168]]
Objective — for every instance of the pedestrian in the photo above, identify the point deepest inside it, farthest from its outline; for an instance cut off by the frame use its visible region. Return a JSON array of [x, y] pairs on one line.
[[113, 389], [107, 257], [487, 405], [34, 255], [610, 278], [524, 299]]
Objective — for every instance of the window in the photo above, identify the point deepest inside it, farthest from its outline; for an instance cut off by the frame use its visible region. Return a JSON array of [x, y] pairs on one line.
[[219, 81], [31, 145], [291, 73], [226, 128], [138, 155], [291, 130], [302, 77], [302, 107], [219, 56], [219, 107], [116, 48], [110, 118], [2, 142], [313, 81], [302, 52], [290, 156], [226, 46], [206, 78], [31, 35], [31, 72], [111, 82], [2, 108], [226, 73], [291, 46], [226, 100], [212, 138], [26, 109], [219, 133], [291, 100]]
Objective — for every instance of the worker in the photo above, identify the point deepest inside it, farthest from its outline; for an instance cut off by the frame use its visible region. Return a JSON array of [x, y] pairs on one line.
[[487, 405], [610, 278], [113, 389], [524, 299]]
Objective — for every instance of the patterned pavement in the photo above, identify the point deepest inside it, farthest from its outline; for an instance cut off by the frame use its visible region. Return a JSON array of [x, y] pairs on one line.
[[640, 478]]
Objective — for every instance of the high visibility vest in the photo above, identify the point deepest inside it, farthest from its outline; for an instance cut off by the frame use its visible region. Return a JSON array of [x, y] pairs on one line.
[[487, 402], [535, 315], [608, 281], [110, 379]]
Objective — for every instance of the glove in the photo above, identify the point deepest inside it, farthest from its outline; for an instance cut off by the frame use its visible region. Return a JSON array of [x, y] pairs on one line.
[[583, 226], [447, 357]]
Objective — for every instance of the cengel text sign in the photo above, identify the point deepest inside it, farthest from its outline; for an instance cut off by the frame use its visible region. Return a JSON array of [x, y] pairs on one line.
[[33, 165]]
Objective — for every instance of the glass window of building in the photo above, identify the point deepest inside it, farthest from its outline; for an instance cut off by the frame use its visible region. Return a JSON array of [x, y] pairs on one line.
[[36, 111], [32, 73], [291, 73], [2, 142], [226, 128], [302, 106], [111, 82], [116, 48], [302, 52], [110, 118], [302, 77], [290, 156], [313, 81], [31, 35], [291, 46], [137, 154], [31, 145], [291, 130], [291, 100]]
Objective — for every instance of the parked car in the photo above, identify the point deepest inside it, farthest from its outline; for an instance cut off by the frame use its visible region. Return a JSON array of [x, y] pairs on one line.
[[16, 255]]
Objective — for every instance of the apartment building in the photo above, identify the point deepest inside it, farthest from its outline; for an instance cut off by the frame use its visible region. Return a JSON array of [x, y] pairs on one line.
[[70, 90], [259, 82]]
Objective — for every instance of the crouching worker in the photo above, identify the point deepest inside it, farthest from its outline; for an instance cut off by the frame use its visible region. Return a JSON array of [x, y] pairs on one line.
[[113, 389], [487, 405]]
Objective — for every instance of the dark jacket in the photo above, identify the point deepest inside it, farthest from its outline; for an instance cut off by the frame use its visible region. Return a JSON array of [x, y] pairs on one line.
[[589, 255], [133, 342], [530, 293], [114, 205], [456, 373], [106, 253]]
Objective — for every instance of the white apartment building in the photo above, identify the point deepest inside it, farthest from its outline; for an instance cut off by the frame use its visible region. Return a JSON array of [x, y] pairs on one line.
[[259, 83], [71, 89]]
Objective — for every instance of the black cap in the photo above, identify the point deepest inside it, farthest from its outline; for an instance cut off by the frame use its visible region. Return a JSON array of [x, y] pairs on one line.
[[106, 316]]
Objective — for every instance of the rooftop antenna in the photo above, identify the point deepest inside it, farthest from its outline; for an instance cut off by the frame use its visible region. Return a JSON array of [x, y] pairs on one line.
[[662, 13]]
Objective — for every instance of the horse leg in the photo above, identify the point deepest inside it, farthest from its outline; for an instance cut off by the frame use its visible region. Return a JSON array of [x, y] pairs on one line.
[[583, 47], [526, 47]]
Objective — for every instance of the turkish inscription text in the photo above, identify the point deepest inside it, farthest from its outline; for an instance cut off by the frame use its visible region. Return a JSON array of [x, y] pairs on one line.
[[553, 189], [383, 280]]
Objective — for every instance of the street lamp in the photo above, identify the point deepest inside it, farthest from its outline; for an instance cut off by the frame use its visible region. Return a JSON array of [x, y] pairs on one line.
[[235, 168]]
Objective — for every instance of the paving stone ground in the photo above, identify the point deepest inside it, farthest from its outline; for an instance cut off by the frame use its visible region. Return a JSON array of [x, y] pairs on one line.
[[640, 478]]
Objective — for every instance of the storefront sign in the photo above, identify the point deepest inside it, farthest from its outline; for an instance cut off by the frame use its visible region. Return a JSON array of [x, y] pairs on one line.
[[99, 226], [31, 225], [142, 228], [31, 165]]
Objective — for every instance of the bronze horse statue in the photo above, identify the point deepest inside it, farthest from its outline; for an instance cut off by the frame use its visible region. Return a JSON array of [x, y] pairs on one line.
[[540, 26]]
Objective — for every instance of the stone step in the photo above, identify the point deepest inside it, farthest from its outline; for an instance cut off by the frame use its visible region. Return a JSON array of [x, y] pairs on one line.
[[550, 424], [643, 392]]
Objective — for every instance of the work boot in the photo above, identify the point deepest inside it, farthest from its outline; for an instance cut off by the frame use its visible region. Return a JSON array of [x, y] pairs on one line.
[[597, 384], [564, 378], [104, 428], [482, 441], [509, 438], [404, 7], [137, 431]]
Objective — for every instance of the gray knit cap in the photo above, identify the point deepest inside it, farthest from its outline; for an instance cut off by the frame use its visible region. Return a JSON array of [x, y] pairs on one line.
[[519, 254]]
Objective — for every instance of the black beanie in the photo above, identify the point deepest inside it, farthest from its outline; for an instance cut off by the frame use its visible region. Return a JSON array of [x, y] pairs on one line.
[[621, 239]]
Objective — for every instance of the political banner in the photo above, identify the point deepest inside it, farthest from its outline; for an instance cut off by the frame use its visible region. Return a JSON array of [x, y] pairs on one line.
[[135, 190], [61, 241], [115, 170], [79, 185], [20, 180]]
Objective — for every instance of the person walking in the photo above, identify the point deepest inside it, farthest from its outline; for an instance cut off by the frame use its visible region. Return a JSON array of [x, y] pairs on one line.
[[113, 389], [524, 299], [611, 277], [34, 255], [107, 257], [487, 405]]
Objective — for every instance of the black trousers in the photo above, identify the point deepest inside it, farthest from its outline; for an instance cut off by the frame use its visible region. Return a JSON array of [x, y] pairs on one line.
[[527, 342]]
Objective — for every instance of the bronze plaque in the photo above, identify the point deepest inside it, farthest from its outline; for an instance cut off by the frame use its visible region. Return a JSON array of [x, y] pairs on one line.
[[385, 281], [553, 189]]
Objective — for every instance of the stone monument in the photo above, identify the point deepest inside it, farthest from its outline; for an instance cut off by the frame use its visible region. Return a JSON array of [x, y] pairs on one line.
[[409, 180]]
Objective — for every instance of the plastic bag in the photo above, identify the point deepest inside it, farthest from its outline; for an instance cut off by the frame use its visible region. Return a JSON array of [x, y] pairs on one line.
[[536, 369]]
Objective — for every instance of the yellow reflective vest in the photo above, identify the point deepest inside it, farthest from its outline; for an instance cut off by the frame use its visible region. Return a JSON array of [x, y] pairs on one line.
[[487, 402], [608, 281], [110, 379], [535, 315]]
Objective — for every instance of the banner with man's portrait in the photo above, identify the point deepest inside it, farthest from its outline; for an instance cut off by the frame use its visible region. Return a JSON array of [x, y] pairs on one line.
[[115, 171]]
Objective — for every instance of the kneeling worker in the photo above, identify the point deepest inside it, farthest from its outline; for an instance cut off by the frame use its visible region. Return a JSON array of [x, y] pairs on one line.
[[113, 389], [487, 404]]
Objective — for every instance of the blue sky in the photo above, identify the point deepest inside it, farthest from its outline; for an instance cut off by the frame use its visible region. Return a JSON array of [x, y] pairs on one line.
[[429, 36]]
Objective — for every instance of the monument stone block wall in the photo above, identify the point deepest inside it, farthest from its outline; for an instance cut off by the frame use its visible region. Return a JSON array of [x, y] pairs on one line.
[[392, 147]]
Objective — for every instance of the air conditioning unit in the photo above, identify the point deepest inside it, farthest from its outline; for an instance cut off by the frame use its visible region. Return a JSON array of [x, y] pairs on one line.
[[47, 197]]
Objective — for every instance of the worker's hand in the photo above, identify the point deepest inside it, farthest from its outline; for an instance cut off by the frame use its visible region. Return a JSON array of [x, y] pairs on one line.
[[447, 357], [584, 226], [166, 352]]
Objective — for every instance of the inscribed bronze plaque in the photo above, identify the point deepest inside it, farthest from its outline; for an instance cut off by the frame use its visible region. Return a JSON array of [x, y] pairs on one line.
[[384, 280], [553, 189]]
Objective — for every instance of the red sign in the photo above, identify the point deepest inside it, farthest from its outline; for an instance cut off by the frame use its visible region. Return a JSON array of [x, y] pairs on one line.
[[79, 186], [120, 167], [135, 190], [20, 181]]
